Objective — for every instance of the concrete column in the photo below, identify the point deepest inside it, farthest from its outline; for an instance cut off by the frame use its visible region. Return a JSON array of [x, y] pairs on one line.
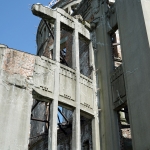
[[95, 120], [52, 142], [135, 46], [76, 139], [104, 64]]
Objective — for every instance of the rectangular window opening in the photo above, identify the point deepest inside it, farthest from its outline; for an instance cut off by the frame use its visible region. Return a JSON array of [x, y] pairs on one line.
[[124, 129], [116, 49]]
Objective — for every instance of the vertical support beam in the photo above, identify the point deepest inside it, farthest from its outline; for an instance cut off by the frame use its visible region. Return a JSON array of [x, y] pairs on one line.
[[95, 120], [76, 139], [104, 64], [52, 142], [136, 60]]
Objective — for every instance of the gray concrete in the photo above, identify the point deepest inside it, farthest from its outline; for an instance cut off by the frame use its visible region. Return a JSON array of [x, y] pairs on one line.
[[47, 79], [15, 110], [76, 141], [104, 65], [82, 98], [52, 144], [50, 79], [95, 120], [133, 20], [15, 106]]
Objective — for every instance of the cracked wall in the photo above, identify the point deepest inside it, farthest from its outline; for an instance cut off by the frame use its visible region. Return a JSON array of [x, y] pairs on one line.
[[15, 98]]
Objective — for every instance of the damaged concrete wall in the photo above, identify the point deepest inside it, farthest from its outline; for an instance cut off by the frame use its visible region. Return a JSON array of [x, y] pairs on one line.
[[15, 98], [25, 76], [66, 42], [45, 47]]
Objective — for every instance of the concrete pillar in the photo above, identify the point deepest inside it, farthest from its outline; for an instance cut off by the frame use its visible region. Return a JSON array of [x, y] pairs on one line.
[[52, 142], [104, 65], [76, 137], [135, 46], [95, 120]]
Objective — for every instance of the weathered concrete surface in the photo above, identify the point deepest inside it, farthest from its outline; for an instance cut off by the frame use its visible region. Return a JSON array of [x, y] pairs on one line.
[[50, 15], [15, 107], [15, 100], [104, 66], [19, 83], [52, 137], [76, 131], [146, 11], [133, 20]]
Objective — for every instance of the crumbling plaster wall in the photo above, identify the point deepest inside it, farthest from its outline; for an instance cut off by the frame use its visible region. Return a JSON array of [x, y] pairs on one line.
[[15, 98], [16, 83]]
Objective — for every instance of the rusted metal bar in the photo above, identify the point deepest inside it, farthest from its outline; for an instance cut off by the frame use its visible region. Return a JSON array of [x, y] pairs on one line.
[[63, 58], [35, 119], [58, 119], [63, 115], [34, 106], [62, 129], [125, 126], [53, 39], [49, 29], [42, 45], [124, 111], [59, 124], [49, 117], [38, 136], [116, 44]]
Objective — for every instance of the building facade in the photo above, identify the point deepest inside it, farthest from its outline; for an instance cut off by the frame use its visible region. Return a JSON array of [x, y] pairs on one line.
[[88, 86]]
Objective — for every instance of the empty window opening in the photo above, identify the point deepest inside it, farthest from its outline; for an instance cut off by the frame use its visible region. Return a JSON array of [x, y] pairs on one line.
[[86, 133], [85, 145], [40, 118], [64, 126], [39, 125], [63, 56], [116, 49], [85, 68], [45, 43], [124, 129], [66, 48]]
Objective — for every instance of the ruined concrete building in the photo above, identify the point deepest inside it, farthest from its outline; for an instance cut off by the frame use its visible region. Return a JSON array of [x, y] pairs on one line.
[[87, 88]]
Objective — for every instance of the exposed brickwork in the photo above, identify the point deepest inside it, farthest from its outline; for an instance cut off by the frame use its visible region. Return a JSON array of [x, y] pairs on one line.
[[17, 62], [126, 133]]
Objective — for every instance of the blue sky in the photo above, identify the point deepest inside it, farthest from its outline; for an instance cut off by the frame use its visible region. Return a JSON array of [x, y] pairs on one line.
[[18, 25]]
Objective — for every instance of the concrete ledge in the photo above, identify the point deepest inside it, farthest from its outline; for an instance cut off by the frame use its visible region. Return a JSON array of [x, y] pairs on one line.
[[3, 46]]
